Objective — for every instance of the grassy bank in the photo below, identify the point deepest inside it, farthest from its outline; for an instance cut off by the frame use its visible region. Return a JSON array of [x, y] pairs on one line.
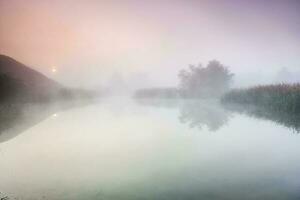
[[279, 97]]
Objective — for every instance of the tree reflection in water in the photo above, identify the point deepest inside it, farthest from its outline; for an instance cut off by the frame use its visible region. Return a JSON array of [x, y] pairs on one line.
[[199, 114], [288, 120], [213, 115], [194, 113]]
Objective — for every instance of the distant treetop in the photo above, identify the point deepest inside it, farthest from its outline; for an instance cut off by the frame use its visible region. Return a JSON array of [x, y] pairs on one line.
[[210, 81]]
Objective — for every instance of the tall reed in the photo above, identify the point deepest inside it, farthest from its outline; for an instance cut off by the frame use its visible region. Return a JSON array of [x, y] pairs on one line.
[[279, 97]]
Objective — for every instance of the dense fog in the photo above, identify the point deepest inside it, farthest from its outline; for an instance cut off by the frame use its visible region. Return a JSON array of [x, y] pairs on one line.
[[149, 100], [91, 43]]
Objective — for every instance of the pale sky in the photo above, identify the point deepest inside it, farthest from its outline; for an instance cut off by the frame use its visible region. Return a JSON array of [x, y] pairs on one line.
[[149, 41]]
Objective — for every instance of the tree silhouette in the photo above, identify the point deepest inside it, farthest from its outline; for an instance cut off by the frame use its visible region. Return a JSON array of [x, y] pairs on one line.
[[210, 81]]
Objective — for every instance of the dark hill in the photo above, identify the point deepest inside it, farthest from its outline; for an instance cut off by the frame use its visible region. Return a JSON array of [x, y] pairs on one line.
[[28, 76], [20, 82]]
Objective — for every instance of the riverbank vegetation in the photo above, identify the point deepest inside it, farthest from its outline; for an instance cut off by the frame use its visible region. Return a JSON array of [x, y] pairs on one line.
[[279, 97]]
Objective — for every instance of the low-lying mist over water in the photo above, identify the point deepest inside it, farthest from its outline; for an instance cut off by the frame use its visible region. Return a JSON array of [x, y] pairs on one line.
[[149, 100], [167, 149]]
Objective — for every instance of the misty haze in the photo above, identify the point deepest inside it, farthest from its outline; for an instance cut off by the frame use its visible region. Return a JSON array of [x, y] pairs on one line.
[[149, 100]]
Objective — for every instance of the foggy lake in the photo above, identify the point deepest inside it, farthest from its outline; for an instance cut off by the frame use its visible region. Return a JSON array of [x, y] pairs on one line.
[[149, 100], [133, 149]]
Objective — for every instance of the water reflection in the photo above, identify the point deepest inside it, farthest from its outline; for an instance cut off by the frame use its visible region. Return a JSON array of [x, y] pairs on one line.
[[195, 113], [123, 151], [288, 120], [213, 115], [16, 118], [199, 114]]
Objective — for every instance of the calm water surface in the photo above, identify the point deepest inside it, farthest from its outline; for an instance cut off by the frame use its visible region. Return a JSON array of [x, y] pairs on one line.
[[121, 149]]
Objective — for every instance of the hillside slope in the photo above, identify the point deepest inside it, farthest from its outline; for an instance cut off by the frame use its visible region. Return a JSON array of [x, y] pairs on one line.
[[19, 83], [24, 83]]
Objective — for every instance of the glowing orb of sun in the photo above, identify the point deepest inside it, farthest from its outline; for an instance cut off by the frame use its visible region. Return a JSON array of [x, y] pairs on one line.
[[53, 70]]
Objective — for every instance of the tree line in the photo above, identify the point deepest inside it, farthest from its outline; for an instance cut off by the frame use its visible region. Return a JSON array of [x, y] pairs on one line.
[[197, 81]]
